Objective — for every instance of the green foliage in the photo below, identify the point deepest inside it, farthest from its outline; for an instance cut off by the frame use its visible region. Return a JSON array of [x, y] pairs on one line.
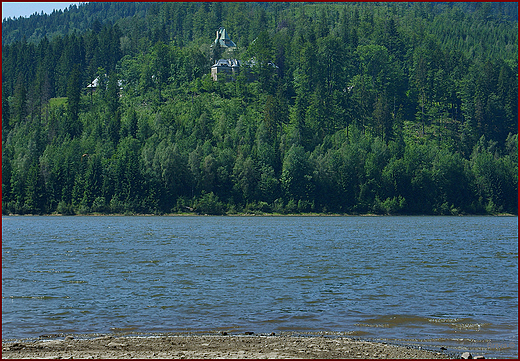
[[208, 203], [348, 108]]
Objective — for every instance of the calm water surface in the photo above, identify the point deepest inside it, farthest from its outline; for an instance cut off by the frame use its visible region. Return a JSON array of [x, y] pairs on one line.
[[429, 281]]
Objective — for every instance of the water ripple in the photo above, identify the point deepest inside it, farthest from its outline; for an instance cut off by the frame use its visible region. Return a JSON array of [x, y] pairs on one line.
[[404, 278]]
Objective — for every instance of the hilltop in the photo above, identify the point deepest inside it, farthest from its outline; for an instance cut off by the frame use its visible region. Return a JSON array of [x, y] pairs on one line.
[[386, 108]]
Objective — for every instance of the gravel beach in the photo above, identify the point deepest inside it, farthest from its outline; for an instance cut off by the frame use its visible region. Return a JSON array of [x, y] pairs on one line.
[[212, 347]]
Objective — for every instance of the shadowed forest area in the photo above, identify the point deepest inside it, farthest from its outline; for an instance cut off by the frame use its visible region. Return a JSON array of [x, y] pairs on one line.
[[386, 108]]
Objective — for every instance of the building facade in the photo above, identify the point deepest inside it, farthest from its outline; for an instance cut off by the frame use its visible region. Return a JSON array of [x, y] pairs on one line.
[[226, 68]]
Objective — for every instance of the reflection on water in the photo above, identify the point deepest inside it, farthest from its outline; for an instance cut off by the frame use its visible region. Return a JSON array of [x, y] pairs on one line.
[[447, 282]]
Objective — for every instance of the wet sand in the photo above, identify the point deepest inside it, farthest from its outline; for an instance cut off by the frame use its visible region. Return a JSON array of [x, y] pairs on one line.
[[213, 347]]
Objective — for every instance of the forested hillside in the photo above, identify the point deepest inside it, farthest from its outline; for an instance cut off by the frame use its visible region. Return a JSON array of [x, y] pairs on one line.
[[388, 108]]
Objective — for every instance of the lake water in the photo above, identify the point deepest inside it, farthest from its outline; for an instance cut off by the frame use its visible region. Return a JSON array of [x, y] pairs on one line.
[[429, 281]]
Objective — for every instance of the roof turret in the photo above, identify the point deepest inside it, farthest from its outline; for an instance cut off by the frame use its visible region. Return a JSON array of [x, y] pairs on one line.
[[223, 39]]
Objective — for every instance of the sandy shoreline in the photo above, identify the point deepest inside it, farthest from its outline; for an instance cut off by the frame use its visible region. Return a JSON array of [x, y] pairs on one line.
[[213, 347]]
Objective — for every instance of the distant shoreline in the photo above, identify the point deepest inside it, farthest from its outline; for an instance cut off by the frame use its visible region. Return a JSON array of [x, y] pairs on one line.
[[255, 215]]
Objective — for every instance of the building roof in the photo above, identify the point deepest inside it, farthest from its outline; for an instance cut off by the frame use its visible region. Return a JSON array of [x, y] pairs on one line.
[[95, 83], [223, 39], [232, 63]]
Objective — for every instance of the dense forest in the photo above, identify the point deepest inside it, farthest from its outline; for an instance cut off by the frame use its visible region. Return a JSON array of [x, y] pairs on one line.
[[386, 108]]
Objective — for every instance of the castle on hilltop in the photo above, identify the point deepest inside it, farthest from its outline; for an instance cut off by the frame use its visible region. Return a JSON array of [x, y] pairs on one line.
[[227, 68]]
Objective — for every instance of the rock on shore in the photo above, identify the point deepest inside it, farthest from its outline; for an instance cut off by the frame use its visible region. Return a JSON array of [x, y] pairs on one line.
[[213, 347]]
